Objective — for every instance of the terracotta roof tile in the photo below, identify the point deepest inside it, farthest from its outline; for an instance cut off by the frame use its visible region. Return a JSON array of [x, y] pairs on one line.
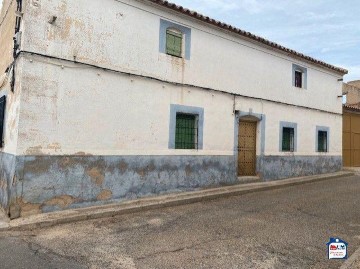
[[231, 28], [347, 107]]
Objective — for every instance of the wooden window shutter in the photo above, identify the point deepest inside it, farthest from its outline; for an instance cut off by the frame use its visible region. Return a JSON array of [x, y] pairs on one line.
[[2, 117], [174, 43]]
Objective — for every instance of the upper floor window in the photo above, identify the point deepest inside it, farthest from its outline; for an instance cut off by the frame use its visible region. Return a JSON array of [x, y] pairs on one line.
[[175, 39], [174, 42], [299, 76], [298, 79]]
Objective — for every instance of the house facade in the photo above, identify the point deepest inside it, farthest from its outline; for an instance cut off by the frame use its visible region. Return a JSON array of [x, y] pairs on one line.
[[352, 92], [112, 100]]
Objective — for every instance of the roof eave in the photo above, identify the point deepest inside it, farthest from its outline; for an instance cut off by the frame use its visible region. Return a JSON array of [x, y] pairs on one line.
[[228, 27]]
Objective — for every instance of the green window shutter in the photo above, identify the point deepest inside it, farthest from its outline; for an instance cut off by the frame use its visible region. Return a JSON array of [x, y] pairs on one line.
[[174, 43], [186, 132], [178, 46], [288, 139], [169, 43], [322, 141]]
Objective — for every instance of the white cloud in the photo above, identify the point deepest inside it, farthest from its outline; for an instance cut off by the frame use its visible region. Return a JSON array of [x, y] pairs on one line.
[[329, 32], [354, 73]]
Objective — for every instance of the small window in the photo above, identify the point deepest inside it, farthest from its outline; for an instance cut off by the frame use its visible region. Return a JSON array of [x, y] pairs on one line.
[[298, 79], [288, 139], [186, 134], [174, 40], [2, 118], [299, 76], [322, 141]]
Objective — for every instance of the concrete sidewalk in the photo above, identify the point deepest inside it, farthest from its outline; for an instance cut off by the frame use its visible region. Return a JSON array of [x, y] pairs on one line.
[[66, 216]]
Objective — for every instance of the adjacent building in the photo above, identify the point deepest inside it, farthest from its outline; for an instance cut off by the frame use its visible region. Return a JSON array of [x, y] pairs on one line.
[[351, 92], [108, 100], [351, 124]]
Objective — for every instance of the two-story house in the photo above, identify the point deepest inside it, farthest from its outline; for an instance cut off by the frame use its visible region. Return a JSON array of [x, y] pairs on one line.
[[107, 100]]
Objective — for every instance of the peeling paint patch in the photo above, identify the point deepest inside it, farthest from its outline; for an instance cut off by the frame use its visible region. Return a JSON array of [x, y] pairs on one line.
[[63, 201], [28, 209], [123, 166], [54, 146], [96, 176], [104, 195]]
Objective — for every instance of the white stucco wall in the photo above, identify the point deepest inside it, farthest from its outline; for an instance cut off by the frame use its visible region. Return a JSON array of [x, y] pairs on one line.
[[124, 35], [85, 111], [75, 109]]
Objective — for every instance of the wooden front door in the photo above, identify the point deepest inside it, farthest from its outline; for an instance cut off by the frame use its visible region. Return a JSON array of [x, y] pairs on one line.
[[247, 149]]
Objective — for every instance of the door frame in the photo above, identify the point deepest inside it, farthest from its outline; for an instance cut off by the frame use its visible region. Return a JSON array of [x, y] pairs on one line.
[[260, 146], [255, 149]]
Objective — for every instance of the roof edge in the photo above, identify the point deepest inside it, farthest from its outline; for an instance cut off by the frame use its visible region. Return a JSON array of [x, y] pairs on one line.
[[246, 34]]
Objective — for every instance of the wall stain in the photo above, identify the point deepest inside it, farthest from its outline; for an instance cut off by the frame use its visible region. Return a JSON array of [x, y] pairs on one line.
[[34, 150], [123, 167], [62, 201], [104, 195], [82, 153], [54, 146], [188, 170], [28, 209], [96, 176]]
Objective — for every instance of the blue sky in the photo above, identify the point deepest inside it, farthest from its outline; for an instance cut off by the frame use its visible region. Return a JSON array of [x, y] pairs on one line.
[[327, 30]]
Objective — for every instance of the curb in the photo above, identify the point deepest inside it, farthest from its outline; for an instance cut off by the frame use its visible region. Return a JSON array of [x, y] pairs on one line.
[[144, 204]]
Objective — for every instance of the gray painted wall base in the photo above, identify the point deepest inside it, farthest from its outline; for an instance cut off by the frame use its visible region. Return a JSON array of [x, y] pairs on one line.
[[36, 184], [50, 183], [7, 176], [280, 167]]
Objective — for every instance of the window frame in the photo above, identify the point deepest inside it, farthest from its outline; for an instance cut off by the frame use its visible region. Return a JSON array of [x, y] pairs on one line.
[[285, 124], [291, 141], [198, 112], [186, 41], [322, 129], [303, 70]]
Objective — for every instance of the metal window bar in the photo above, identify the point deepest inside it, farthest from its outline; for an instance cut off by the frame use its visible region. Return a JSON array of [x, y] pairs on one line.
[[288, 140], [322, 141], [186, 134]]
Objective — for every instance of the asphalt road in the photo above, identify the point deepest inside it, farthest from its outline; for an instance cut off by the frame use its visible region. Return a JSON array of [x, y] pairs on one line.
[[285, 228]]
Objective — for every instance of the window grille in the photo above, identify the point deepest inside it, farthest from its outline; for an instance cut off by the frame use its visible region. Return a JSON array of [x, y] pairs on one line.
[[288, 139], [174, 43], [322, 141], [186, 135]]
